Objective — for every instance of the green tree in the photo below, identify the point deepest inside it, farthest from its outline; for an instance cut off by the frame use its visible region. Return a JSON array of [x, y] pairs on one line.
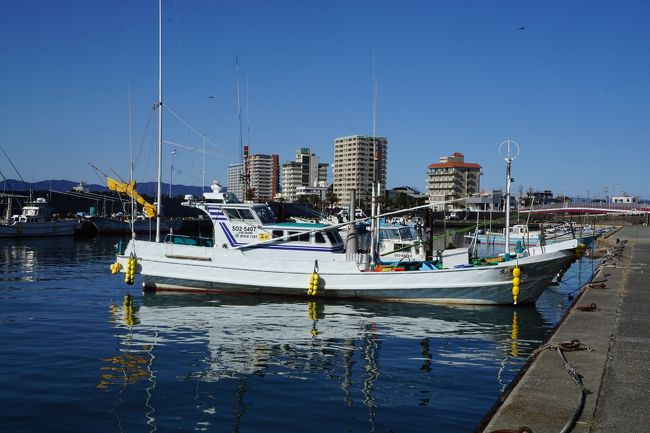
[[331, 199], [250, 194]]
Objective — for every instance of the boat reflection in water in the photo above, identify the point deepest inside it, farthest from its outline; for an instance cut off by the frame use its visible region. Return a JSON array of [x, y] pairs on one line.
[[217, 361]]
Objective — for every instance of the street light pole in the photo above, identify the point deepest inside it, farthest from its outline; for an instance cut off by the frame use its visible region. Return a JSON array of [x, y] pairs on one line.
[[171, 172]]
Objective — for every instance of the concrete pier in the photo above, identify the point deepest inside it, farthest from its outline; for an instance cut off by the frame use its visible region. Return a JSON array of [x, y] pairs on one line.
[[612, 361]]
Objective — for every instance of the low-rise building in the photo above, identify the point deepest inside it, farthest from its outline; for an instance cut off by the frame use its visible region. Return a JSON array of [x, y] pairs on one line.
[[486, 201], [625, 199]]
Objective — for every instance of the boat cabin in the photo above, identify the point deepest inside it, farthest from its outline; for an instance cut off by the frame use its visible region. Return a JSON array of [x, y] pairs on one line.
[[34, 212], [399, 242], [519, 230], [253, 225]]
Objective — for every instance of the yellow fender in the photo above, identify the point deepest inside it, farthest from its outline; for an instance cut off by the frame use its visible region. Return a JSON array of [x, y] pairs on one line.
[[516, 272]]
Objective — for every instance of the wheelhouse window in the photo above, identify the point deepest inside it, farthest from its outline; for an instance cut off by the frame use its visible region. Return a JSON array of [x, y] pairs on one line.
[[333, 237], [319, 238], [245, 215], [406, 234], [265, 215]]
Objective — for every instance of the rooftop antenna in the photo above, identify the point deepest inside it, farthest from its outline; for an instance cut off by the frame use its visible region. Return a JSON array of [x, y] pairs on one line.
[[509, 154]]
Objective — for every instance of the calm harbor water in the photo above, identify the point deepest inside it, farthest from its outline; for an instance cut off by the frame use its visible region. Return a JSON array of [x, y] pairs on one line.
[[75, 359]]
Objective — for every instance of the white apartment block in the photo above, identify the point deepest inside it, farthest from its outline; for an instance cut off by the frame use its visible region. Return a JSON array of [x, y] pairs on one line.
[[235, 180], [354, 166], [263, 176], [451, 179], [302, 175]]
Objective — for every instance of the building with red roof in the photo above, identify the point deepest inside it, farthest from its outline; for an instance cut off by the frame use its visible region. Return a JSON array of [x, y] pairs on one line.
[[452, 179]]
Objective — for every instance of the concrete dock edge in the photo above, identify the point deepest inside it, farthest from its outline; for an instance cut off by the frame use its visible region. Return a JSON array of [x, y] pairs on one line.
[[613, 362]]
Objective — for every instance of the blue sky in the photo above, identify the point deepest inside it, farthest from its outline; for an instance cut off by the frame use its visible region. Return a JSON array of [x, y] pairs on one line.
[[571, 88]]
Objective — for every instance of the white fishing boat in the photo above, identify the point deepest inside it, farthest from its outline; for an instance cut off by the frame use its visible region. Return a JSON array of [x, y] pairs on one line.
[[36, 219], [250, 253]]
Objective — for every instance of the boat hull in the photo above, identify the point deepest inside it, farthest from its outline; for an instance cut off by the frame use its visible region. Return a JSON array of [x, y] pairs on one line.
[[190, 268], [38, 229], [103, 226]]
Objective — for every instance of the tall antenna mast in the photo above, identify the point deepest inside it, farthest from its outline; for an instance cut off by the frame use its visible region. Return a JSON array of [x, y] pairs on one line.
[[160, 122], [511, 153], [376, 188], [248, 117], [203, 168], [131, 164], [242, 149]]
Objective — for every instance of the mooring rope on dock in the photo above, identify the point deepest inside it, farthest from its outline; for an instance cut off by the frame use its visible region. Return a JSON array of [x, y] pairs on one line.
[[569, 346]]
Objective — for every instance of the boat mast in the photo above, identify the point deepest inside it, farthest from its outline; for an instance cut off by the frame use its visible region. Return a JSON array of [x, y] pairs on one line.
[[160, 119], [508, 158], [242, 149], [203, 168], [131, 164], [375, 175]]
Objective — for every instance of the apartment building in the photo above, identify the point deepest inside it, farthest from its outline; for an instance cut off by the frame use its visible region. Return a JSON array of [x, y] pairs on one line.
[[235, 180], [263, 176], [451, 179], [305, 175], [353, 168]]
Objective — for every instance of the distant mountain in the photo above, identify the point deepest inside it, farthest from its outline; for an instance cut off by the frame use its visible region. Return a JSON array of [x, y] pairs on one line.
[[145, 188]]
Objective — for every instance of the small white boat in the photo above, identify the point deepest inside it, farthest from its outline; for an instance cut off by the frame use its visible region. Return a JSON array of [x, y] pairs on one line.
[[398, 243], [36, 220], [521, 235]]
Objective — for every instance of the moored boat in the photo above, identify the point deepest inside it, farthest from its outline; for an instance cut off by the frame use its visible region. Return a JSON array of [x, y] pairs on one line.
[[36, 219], [399, 243], [520, 234], [105, 225], [251, 253]]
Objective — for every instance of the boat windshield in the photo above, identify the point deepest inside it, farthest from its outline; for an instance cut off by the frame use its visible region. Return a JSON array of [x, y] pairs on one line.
[[265, 215], [397, 233], [235, 214]]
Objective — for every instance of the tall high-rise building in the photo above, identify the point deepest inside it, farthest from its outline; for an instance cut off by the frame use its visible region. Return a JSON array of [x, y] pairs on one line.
[[451, 179], [305, 173], [235, 180], [263, 176], [354, 162]]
